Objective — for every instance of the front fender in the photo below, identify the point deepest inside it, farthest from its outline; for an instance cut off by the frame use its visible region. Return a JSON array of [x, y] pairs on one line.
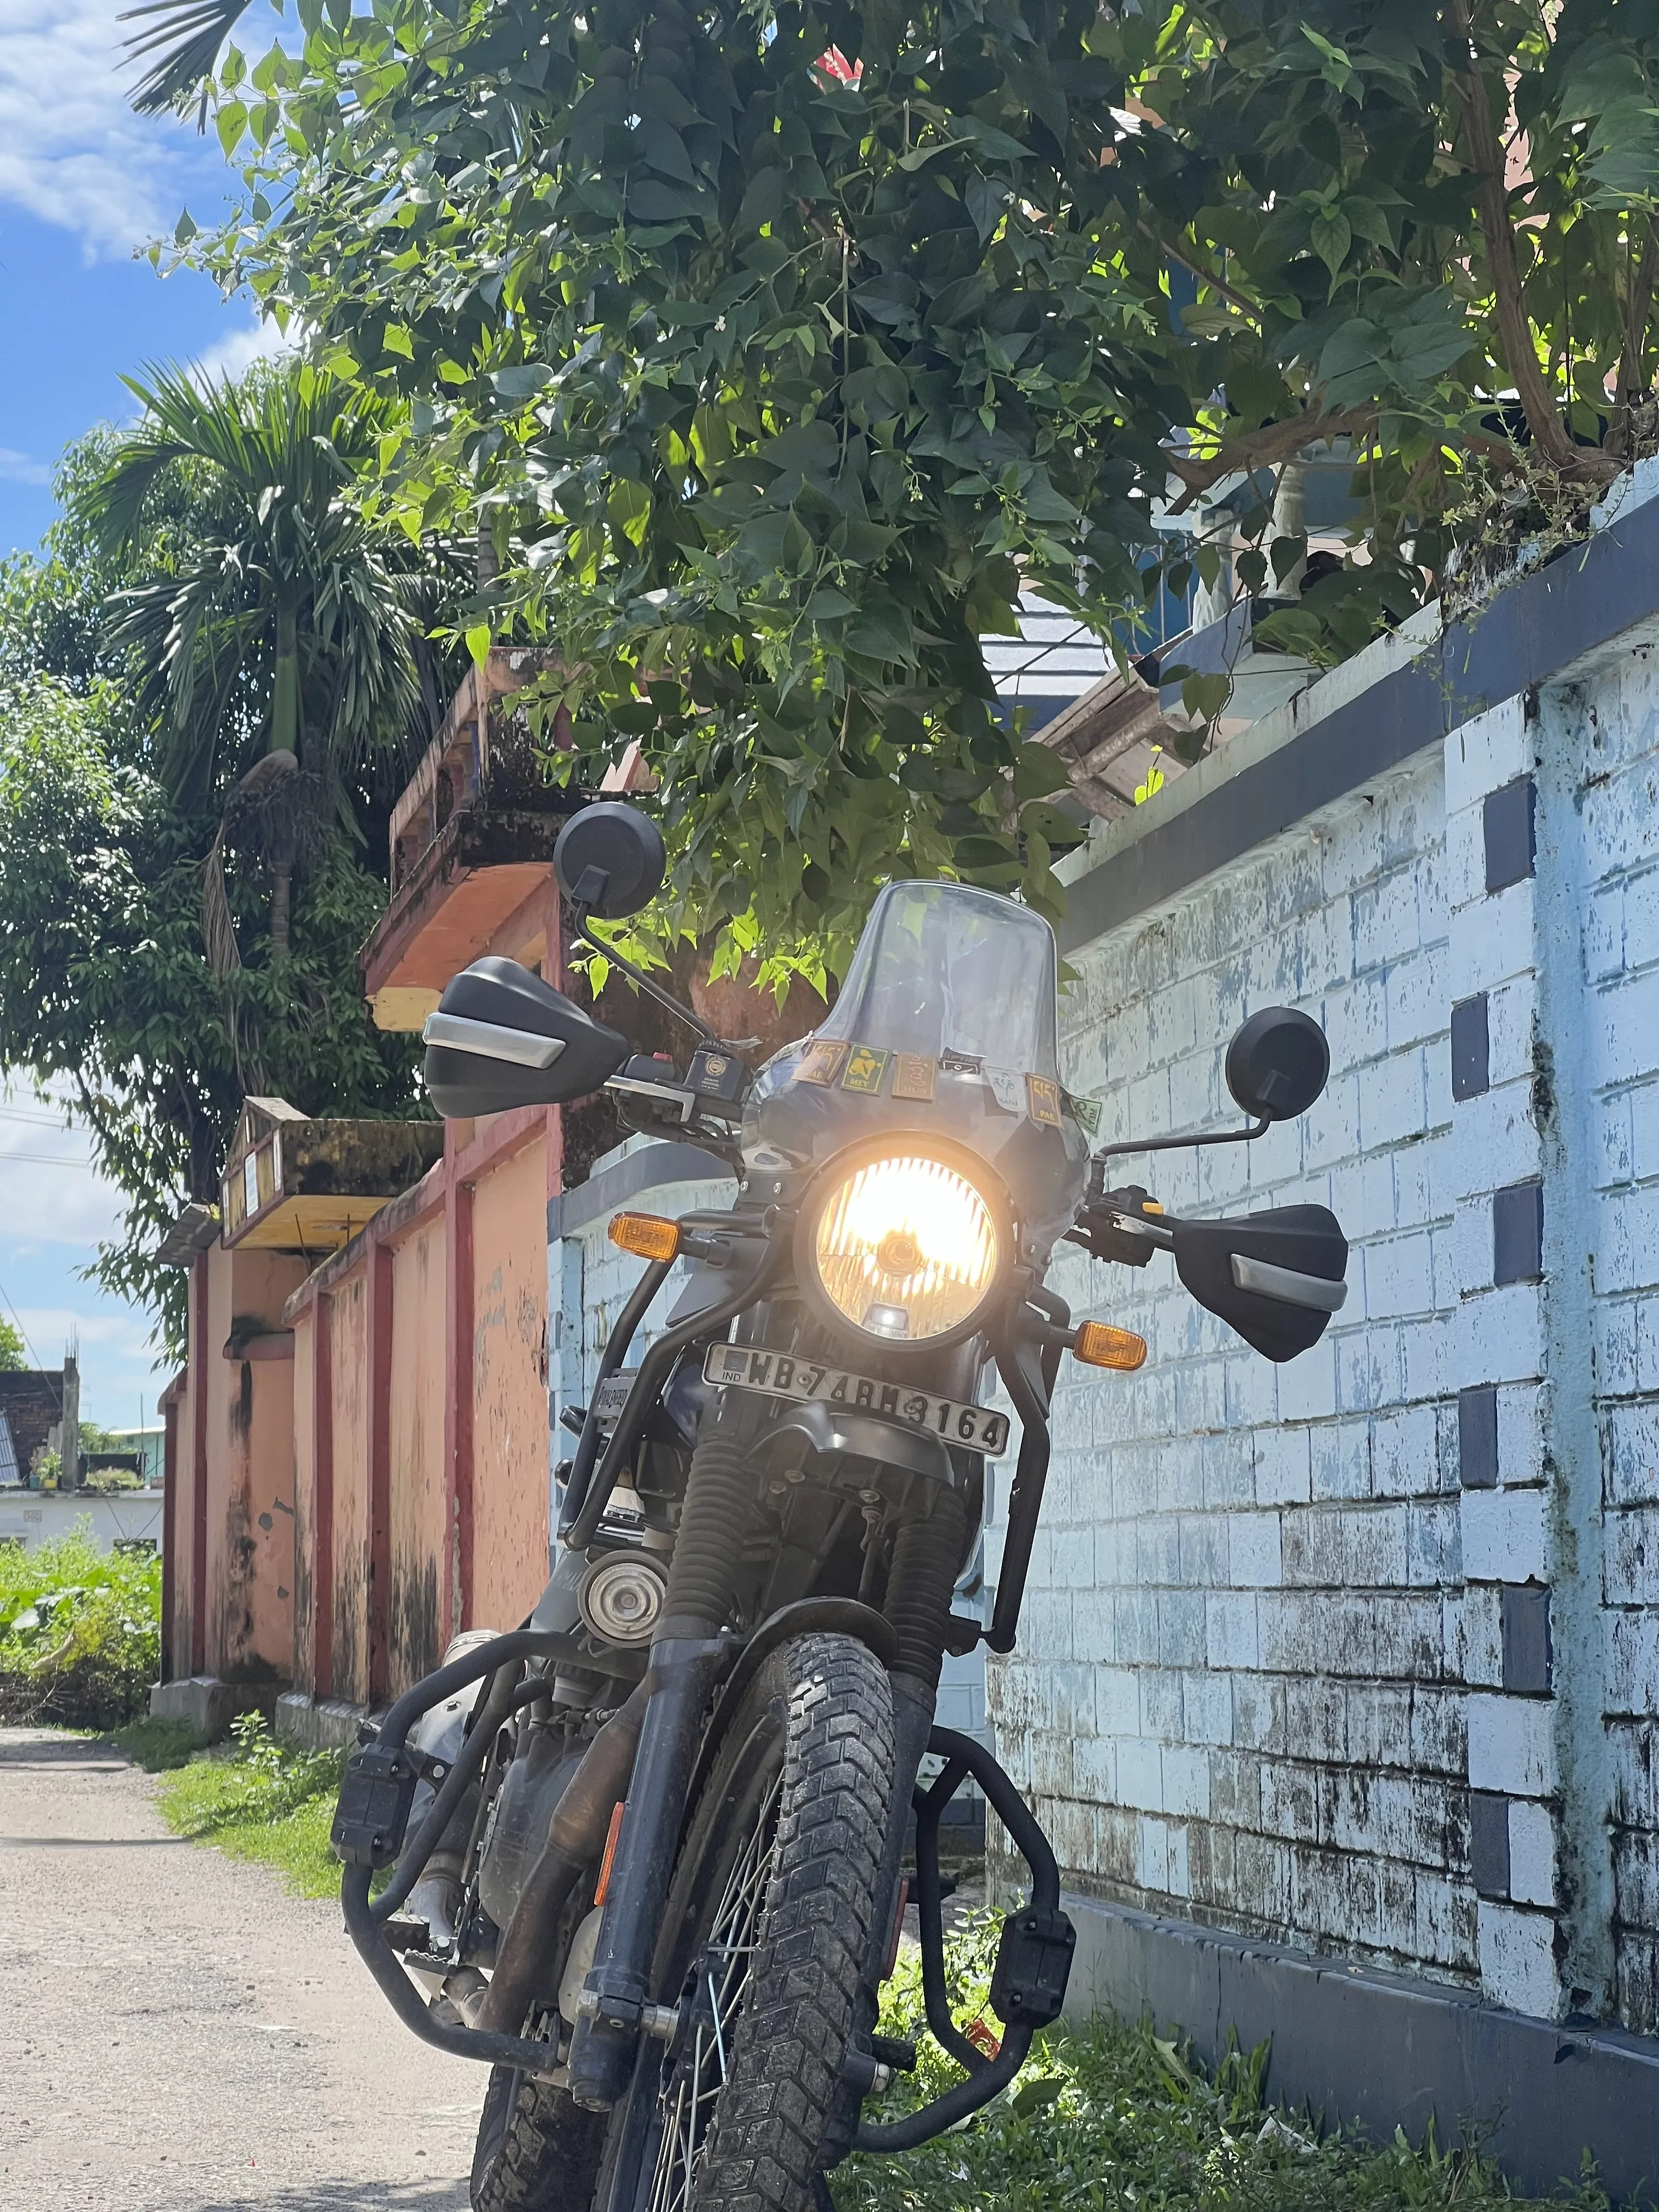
[[835, 1433]]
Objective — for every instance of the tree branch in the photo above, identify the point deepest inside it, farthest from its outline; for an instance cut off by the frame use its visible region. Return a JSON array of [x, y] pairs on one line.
[[1631, 383], [1196, 268], [1264, 448], [1514, 323]]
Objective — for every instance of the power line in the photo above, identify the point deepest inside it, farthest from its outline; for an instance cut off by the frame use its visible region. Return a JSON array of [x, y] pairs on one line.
[[46, 1160], [28, 1344]]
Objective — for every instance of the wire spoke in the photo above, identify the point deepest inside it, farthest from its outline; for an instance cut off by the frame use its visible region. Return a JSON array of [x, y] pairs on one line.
[[691, 2095]]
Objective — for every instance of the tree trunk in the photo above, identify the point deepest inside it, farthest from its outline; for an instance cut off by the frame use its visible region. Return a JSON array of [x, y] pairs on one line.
[[285, 684], [282, 884], [1491, 201]]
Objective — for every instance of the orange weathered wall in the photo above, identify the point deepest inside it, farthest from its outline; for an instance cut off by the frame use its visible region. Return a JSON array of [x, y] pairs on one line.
[[420, 1539], [349, 1363], [185, 1476], [509, 1385], [250, 1470], [305, 1495], [232, 1475], [402, 1458]]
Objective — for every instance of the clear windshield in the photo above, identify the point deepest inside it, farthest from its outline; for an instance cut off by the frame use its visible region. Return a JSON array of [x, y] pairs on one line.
[[942, 968]]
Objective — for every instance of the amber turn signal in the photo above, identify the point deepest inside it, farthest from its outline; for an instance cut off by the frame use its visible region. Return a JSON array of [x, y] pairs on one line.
[[646, 1235], [1099, 1346]]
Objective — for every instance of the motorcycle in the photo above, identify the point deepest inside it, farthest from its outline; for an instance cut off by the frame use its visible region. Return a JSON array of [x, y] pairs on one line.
[[648, 1856]]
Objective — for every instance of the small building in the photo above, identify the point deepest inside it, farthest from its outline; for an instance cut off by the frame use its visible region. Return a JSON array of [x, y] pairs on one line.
[[38, 1408]]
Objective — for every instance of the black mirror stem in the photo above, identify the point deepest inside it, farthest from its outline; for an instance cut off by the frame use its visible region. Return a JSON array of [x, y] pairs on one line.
[[654, 990], [1176, 1143]]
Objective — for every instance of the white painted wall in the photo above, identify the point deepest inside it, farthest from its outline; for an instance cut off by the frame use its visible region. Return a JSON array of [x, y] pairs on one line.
[[1263, 1679], [34, 1517]]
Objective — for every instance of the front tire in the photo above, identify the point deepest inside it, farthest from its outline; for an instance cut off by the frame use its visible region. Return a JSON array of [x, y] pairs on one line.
[[537, 2152], [766, 1933]]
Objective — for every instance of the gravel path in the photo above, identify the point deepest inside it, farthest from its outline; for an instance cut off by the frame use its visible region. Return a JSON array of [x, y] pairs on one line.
[[178, 2034]]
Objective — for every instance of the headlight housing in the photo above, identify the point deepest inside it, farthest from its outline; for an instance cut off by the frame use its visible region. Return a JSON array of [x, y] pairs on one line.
[[904, 1244]]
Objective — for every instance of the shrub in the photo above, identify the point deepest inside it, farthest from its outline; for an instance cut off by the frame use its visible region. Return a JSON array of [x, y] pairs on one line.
[[80, 1631], [265, 1800]]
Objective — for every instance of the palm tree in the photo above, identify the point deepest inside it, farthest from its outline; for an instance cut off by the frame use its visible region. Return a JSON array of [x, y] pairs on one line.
[[277, 652]]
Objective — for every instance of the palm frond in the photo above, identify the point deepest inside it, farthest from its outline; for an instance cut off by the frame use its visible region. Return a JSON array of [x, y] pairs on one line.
[[185, 36]]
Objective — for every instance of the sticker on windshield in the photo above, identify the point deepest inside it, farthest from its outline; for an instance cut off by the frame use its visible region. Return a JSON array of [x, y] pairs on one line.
[[864, 1068], [1007, 1088], [1043, 1098], [971, 1428], [821, 1062], [1087, 1111], [913, 1078]]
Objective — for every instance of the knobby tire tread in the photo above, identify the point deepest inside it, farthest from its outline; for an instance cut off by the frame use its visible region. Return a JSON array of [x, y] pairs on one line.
[[550, 2156], [789, 2048]]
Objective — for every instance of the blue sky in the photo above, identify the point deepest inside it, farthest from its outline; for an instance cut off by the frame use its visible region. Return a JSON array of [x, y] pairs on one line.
[[84, 186]]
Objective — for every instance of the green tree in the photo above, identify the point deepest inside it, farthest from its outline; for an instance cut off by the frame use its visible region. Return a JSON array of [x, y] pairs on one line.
[[104, 983], [105, 980], [784, 345], [13, 1352], [274, 655]]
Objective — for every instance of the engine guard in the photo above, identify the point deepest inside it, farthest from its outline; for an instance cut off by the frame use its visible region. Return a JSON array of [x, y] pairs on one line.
[[1033, 1957], [373, 1816]]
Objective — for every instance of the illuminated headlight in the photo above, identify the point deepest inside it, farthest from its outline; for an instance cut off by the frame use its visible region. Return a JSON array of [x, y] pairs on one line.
[[905, 1247]]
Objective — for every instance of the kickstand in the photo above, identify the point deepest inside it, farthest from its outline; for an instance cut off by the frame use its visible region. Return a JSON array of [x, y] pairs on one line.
[[822, 2200]]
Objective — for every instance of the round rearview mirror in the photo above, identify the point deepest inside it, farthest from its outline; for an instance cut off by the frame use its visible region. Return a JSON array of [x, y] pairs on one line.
[[609, 860], [1278, 1063]]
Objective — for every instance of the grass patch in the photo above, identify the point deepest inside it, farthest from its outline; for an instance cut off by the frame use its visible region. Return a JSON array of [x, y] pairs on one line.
[[263, 1800], [158, 1745], [1114, 2117], [80, 1631]]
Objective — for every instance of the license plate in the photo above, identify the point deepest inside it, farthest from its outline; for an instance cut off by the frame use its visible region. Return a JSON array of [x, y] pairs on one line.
[[779, 1375]]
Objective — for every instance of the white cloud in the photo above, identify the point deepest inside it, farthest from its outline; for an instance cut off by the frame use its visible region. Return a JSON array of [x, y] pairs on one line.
[[238, 351], [22, 468], [50, 1194], [72, 152]]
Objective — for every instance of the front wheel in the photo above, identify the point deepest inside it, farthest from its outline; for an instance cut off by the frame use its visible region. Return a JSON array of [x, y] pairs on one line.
[[766, 1933]]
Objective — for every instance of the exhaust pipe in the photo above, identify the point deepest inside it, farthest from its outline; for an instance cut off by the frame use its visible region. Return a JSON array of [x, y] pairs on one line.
[[575, 1835]]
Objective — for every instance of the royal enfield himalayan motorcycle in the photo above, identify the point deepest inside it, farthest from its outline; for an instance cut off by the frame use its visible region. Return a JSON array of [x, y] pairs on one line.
[[649, 1852]]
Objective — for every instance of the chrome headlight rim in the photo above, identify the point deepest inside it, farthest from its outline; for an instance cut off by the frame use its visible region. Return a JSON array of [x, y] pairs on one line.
[[829, 1178]]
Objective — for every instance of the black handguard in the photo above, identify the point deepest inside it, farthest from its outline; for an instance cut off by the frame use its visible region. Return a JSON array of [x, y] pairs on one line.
[[1097, 1231]]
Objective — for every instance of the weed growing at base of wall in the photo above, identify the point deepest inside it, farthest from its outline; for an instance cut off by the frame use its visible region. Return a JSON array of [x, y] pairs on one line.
[[80, 1631], [1112, 2115]]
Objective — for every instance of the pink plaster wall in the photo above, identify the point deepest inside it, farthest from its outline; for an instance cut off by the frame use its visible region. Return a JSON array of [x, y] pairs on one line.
[[305, 1495], [349, 1366], [250, 1461], [510, 1383], [184, 1521], [420, 1540]]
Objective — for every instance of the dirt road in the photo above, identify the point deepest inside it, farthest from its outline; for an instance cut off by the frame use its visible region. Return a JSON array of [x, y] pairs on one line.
[[177, 2034]]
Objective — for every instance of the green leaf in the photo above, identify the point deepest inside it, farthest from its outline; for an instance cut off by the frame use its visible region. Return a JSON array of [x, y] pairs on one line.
[[1038, 771], [628, 505], [394, 338], [1330, 237], [1205, 697], [478, 640], [230, 120], [1035, 2094], [522, 382]]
